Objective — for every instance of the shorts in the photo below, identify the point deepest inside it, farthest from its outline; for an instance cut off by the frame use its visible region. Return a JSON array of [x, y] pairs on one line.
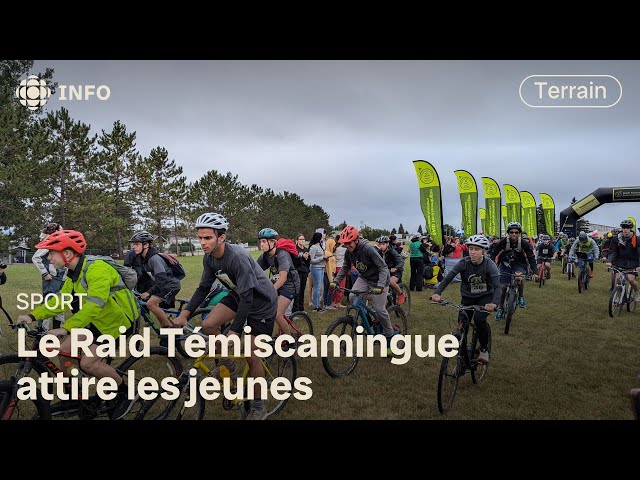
[[96, 333], [287, 291], [168, 299], [259, 326], [505, 277]]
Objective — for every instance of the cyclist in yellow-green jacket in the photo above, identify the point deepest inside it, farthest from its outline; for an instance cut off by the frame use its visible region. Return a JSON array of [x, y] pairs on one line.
[[107, 305]]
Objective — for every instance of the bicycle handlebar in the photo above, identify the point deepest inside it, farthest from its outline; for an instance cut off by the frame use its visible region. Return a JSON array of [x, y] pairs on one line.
[[477, 308]]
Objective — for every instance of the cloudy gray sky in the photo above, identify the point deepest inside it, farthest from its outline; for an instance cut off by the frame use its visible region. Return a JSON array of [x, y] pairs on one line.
[[343, 134]]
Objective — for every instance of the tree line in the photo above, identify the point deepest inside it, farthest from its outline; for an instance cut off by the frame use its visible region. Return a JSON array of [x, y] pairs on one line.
[[53, 169]]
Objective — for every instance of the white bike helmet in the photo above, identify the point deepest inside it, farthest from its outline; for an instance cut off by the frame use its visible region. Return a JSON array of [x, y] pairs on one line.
[[212, 220], [478, 241]]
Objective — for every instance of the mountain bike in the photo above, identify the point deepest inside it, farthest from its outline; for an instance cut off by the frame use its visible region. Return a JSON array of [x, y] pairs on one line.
[[583, 272], [360, 313], [157, 366], [466, 358], [274, 367], [392, 298], [542, 271], [622, 293], [511, 301]]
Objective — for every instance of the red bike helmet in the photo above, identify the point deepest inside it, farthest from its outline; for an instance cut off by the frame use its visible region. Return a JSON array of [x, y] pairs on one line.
[[349, 234], [62, 239]]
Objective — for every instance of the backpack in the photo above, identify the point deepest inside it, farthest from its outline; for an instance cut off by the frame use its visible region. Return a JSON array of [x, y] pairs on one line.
[[128, 275], [290, 247], [172, 262]]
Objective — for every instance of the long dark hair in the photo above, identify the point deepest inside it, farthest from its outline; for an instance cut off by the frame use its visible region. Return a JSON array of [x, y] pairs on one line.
[[317, 238]]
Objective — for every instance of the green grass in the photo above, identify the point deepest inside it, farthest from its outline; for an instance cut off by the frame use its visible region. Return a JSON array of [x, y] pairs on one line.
[[564, 358]]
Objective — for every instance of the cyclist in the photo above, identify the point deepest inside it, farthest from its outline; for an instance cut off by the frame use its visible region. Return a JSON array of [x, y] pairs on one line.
[[582, 247], [395, 264], [373, 274], [546, 251], [164, 287], [108, 305], [480, 286], [251, 299], [512, 254], [284, 275], [624, 253], [52, 278]]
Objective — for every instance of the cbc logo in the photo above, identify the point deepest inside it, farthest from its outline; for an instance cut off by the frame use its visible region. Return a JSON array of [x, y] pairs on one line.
[[33, 93]]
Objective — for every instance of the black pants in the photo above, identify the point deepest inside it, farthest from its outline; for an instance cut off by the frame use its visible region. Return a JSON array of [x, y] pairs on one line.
[[298, 303], [417, 270], [479, 318]]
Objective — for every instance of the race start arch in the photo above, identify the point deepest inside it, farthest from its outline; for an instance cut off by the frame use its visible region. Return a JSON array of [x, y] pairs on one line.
[[570, 215]]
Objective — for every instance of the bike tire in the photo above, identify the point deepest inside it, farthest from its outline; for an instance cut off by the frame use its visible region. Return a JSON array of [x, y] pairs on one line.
[[302, 322], [28, 409], [541, 278], [580, 281], [158, 365], [398, 318], [569, 271], [450, 372], [11, 408], [333, 366], [510, 307], [631, 304], [479, 371], [615, 301], [278, 367], [178, 409]]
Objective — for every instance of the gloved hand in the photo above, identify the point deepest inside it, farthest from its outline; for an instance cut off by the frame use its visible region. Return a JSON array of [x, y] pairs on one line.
[[332, 284], [376, 290]]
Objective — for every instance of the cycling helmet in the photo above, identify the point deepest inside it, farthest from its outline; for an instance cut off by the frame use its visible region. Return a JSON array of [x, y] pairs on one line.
[[62, 239], [478, 241], [142, 236], [626, 223], [349, 234], [572, 239], [212, 220], [514, 225], [545, 238], [383, 239], [51, 227], [267, 233], [582, 236]]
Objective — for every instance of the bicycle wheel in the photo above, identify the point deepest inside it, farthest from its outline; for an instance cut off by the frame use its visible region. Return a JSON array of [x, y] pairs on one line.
[[541, 274], [341, 365], [302, 324], [580, 280], [11, 408], [156, 367], [510, 308], [615, 301], [195, 320], [479, 370], [631, 300], [450, 372], [406, 306], [275, 367], [569, 270], [182, 408], [398, 319]]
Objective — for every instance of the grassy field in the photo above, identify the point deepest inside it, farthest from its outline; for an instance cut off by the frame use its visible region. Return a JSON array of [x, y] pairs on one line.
[[564, 358]]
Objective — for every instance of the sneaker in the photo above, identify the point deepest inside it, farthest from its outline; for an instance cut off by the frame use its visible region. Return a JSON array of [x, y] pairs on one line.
[[548, 275], [635, 402], [402, 298], [319, 309], [257, 414], [499, 314], [329, 307], [521, 302], [123, 405], [483, 357]]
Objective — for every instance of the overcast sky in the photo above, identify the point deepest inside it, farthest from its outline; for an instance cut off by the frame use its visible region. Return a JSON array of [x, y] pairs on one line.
[[343, 134]]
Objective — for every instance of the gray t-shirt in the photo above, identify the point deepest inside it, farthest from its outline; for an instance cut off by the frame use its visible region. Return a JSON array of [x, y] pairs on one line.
[[477, 280], [240, 273], [281, 262]]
